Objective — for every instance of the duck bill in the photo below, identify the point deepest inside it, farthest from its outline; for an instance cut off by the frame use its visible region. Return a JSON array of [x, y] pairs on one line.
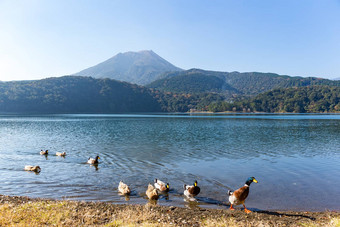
[[255, 181]]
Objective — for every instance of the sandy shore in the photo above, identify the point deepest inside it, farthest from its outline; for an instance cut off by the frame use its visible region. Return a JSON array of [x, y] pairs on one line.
[[24, 211]]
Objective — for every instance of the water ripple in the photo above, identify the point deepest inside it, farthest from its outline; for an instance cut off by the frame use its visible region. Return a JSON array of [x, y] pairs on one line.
[[294, 157]]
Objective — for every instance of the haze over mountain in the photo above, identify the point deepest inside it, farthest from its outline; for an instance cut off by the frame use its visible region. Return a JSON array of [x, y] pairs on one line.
[[141, 67]]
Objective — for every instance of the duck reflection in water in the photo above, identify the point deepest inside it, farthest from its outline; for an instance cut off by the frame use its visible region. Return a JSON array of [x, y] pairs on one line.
[[95, 166]]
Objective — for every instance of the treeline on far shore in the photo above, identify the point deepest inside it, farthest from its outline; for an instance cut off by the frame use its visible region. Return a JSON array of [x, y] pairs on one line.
[[311, 99], [71, 94]]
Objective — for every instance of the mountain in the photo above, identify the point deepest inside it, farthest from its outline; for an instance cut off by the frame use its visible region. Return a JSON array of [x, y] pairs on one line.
[[74, 94], [337, 78], [233, 83], [135, 67]]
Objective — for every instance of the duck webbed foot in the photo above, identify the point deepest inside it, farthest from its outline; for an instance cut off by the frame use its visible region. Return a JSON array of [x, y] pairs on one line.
[[246, 210]]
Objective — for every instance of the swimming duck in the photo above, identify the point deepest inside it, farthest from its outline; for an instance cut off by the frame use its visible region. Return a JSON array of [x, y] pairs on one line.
[[93, 160], [61, 154], [42, 152], [191, 190], [161, 186], [36, 169], [123, 188], [239, 196], [152, 192]]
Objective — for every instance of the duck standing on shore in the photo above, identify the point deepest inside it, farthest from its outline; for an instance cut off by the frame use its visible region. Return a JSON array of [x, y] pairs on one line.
[[93, 160], [161, 186], [239, 196], [152, 192], [42, 152], [191, 190], [124, 188]]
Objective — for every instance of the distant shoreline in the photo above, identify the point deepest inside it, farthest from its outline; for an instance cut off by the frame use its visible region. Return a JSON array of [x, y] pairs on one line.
[[20, 210], [163, 113], [242, 112]]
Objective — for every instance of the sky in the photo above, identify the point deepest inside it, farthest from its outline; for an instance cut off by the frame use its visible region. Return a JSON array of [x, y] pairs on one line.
[[51, 38]]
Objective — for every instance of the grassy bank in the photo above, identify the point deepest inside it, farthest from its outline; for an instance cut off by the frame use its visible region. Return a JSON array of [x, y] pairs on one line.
[[23, 211]]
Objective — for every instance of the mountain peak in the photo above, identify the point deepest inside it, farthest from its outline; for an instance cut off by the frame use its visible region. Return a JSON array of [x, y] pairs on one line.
[[140, 67]]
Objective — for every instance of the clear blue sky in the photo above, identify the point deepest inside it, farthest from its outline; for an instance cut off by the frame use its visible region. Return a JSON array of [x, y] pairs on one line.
[[44, 38]]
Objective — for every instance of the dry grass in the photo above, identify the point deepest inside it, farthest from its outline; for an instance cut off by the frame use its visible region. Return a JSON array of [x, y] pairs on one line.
[[335, 222], [23, 211], [35, 213]]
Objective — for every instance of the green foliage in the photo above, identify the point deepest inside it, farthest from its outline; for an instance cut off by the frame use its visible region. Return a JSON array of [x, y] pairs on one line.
[[74, 94], [191, 83], [254, 83], [231, 84], [172, 102], [313, 99]]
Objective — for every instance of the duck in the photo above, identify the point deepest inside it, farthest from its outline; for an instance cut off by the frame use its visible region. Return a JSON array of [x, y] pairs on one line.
[[36, 169], [191, 190], [152, 192], [161, 186], [61, 154], [93, 160], [123, 188], [239, 196], [42, 152]]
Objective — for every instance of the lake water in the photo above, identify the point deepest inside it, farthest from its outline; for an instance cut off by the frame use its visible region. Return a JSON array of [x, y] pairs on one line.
[[295, 158]]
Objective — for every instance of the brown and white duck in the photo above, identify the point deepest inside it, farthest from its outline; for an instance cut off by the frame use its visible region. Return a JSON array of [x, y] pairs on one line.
[[42, 152], [124, 188], [61, 154], [152, 192], [239, 196], [191, 190], [36, 169], [161, 186], [93, 160]]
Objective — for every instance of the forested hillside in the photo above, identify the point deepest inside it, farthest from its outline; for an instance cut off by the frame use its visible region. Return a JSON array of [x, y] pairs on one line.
[[171, 102], [229, 84], [313, 99], [73, 94]]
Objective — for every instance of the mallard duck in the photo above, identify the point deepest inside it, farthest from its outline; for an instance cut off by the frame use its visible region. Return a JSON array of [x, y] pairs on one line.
[[93, 160], [152, 192], [161, 186], [239, 196], [42, 152], [61, 154], [123, 188], [191, 190], [36, 169]]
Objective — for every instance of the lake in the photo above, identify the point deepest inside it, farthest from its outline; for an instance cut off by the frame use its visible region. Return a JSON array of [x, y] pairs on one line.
[[295, 157]]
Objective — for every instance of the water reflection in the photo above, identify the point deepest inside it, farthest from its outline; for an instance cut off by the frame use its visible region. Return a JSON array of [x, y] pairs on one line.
[[95, 166]]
